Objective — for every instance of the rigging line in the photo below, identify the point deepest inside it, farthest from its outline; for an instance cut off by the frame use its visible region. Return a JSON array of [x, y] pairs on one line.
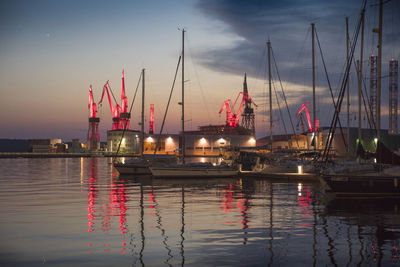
[[284, 96], [367, 112], [112, 93], [261, 64], [368, 104], [329, 84], [279, 107], [169, 100], [197, 77], [130, 110], [342, 88]]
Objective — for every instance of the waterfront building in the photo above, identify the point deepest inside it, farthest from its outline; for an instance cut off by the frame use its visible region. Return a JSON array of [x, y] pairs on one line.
[[128, 141], [45, 145]]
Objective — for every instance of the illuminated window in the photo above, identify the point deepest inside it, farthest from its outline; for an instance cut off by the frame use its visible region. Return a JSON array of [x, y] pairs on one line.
[[123, 141]]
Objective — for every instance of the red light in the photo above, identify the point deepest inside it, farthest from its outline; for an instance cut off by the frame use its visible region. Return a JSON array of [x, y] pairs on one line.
[[304, 107], [151, 126], [232, 119]]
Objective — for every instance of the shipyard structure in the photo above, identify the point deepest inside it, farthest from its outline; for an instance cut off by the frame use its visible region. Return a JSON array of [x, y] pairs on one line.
[[238, 131], [239, 128]]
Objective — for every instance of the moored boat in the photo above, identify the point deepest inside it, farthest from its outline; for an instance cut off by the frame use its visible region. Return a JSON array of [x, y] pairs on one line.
[[372, 183], [193, 170], [141, 165]]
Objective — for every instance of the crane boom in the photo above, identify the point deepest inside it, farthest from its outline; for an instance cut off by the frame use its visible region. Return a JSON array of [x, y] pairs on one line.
[[124, 99], [304, 107], [91, 104], [115, 111]]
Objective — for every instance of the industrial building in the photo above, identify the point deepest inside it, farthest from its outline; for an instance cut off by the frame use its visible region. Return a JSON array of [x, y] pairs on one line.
[[127, 141], [46, 145]]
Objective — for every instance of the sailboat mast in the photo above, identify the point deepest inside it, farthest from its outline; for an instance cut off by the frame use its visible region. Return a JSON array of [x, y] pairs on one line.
[[313, 83], [378, 90], [142, 123], [347, 85], [360, 70], [270, 93], [183, 95]]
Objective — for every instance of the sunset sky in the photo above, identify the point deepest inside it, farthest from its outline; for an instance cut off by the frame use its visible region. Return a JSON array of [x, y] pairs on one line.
[[52, 51]]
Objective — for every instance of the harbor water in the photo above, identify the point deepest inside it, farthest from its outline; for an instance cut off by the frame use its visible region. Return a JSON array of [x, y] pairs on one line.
[[79, 212]]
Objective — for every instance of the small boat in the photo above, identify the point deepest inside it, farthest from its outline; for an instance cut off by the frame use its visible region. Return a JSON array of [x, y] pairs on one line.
[[366, 179], [368, 184], [194, 170], [140, 165]]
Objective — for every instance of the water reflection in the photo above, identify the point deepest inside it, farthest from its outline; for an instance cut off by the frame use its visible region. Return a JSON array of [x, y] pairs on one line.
[[372, 228], [226, 222], [92, 192]]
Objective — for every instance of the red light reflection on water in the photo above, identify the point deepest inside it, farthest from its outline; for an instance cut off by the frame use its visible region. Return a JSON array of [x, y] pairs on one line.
[[228, 203], [304, 200], [116, 207], [373, 251], [92, 196], [151, 200], [227, 199]]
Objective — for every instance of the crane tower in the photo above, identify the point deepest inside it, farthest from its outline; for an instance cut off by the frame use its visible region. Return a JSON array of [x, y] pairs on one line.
[[93, 138], [151, 126], [248, 114], [124, 115]]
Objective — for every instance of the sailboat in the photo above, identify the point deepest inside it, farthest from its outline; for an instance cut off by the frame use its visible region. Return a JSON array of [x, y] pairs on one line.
[[190, 169], [364, 179], [140, 165]]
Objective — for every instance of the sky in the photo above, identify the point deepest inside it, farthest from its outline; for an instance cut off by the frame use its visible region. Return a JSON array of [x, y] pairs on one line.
[[52, 51]]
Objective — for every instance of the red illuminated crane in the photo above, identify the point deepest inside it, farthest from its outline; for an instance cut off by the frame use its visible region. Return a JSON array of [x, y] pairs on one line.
[[151, 126], [231, 117], [115, 111], [93, 137], [119, 113], [91, 105], [300, 115], [124, 115]]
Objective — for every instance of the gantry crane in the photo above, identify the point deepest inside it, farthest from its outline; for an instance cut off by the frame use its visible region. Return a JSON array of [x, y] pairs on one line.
[[301, 118], [231, 117], [93, 137], [119, 113], [115, 111]]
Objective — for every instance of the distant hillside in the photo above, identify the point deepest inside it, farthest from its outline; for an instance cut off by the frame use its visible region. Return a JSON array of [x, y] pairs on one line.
[[13, 145]]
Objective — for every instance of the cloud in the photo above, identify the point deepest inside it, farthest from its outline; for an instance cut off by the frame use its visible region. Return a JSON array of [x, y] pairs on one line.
[[287, 24]]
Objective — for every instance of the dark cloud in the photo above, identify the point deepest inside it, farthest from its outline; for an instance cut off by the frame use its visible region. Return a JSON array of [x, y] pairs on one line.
[[287, 24]]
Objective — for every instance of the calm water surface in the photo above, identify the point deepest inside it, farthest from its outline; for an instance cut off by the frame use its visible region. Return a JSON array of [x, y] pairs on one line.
[[79, 212]]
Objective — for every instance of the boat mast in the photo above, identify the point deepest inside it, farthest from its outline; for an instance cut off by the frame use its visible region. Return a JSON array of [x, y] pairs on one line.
[[360, 68], [142, 123], [378, 91], [313, 84], [347, 86], [183, 96], [270, 93]]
